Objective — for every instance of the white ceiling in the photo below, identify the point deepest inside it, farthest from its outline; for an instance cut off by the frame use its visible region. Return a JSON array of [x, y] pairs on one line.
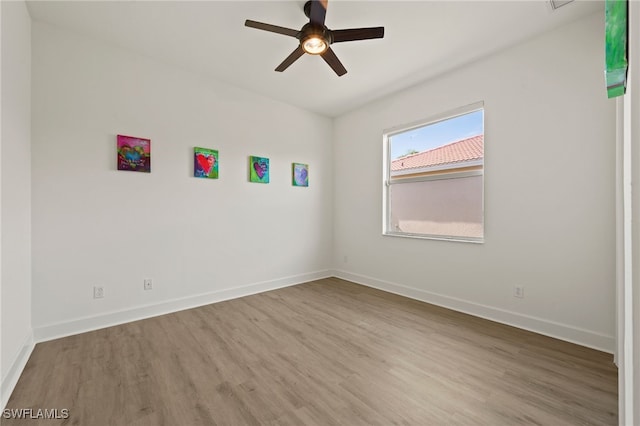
[[422, 39]]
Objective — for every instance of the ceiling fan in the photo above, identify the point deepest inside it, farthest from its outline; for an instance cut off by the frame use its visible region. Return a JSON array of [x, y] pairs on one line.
[[315, 38]]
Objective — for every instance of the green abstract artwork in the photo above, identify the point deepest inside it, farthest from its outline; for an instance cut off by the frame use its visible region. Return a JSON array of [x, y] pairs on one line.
[[616, 46]]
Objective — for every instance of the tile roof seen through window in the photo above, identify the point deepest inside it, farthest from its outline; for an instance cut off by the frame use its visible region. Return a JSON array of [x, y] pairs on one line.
[[456, 152]]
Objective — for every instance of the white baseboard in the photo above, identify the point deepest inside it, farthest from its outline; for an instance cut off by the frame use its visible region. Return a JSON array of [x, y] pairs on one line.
[[82, 325], [17, 365], [565, 332]]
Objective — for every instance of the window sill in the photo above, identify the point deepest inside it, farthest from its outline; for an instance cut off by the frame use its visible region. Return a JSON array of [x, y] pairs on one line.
[[471, 240]]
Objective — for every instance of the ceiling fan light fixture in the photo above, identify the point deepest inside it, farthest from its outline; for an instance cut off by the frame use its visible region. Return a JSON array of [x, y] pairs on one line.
[[555, 4], [314, 45], [315, 38]]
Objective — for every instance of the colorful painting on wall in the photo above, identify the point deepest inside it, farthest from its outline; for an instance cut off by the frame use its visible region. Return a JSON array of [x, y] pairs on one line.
[[616, 41], [258, 169], [134, 154], [205, 163], [300, 174]]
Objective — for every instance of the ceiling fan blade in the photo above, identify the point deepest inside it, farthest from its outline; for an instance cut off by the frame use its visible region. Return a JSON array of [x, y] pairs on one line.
[[290, 59], [271, 28], [330, 57], [357, 34], [318, 11]]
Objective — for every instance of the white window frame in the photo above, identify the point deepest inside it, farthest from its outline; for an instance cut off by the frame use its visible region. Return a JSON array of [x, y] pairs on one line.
[[388, 181]]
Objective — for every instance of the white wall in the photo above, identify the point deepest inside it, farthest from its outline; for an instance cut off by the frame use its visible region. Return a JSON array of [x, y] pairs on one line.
[[15, 194], [549, 191], [199, 240]]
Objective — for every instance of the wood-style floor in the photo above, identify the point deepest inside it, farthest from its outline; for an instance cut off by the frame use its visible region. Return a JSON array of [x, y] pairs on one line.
[[327, 352]]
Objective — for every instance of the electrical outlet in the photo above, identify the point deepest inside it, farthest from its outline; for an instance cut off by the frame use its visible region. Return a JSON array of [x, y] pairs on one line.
[[518, 291], [345, 259], [148, 284], [98, 292]]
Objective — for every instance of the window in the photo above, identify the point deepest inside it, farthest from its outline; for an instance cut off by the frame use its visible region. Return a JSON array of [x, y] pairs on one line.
[[433, 184]]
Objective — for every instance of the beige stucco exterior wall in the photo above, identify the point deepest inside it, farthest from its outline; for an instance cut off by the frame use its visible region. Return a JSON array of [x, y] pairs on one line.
[[452, 207]]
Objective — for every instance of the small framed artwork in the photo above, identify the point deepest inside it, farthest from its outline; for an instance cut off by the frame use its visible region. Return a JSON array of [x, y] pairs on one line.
[[134, 154], [205, 163], [258, 169], [299, 174]]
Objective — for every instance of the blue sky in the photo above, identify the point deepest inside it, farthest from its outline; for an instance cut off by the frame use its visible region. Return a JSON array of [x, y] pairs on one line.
[[437, 134]]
